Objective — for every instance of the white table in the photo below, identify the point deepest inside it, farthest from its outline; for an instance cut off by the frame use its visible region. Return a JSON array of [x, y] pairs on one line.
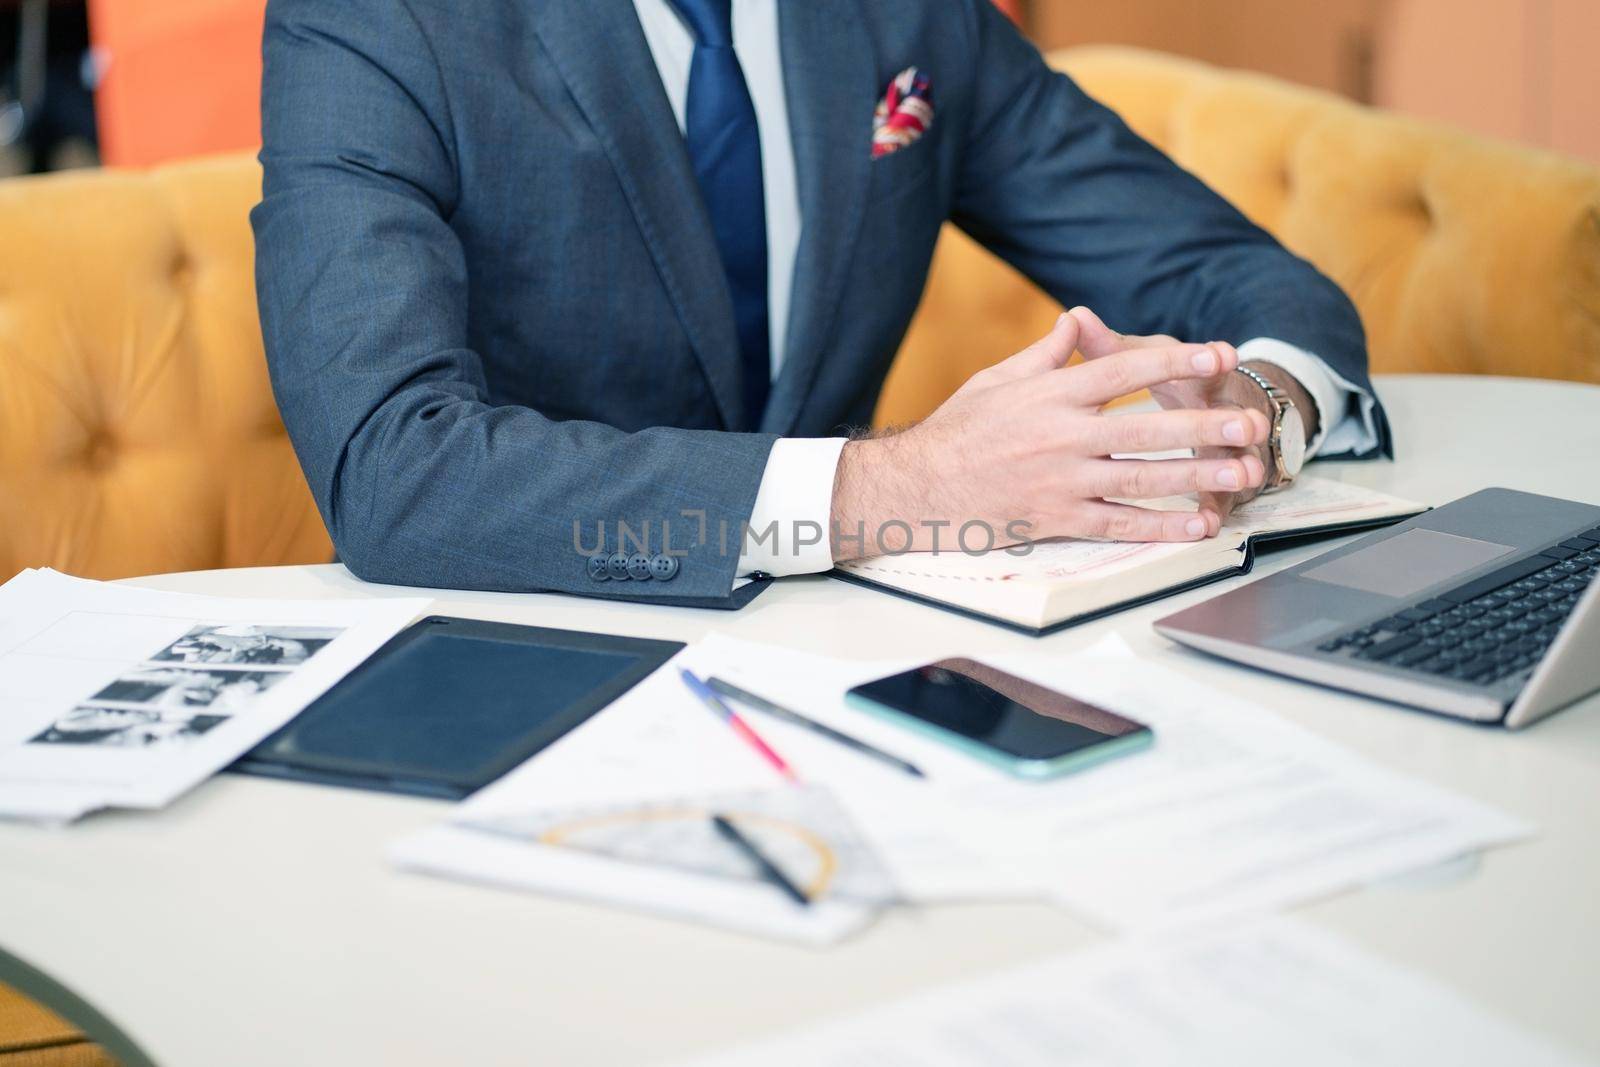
[[255, 922]]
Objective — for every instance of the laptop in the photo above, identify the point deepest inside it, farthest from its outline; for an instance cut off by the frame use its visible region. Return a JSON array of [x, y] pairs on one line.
[[1485, 609]]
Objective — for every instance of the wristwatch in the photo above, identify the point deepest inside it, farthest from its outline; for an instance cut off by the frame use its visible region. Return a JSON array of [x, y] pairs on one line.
[[1286, 443]]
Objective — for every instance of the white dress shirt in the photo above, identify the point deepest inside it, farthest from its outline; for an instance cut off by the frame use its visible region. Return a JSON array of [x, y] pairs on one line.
[[796, 489]]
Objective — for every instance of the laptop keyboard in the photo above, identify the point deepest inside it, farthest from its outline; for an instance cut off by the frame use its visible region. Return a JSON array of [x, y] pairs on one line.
[[1489, 628]]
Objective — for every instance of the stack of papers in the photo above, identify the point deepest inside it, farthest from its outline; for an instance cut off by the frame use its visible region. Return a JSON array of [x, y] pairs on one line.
[[1232, 811], [618, 811], [112, 696], [1270, 992]]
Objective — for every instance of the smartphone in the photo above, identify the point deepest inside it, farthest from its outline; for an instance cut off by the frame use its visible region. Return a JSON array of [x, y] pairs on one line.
[[1016, 725]]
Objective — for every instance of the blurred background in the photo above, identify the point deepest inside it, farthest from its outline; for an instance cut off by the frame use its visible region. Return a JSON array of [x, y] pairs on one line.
[[147, 81], [1518, 70]]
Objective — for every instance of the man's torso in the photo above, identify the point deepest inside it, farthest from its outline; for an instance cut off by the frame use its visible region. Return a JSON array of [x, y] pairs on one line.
[[594, 287]]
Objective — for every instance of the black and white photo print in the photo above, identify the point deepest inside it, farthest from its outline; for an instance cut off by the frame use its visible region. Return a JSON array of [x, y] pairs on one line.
[[186, 687], [127, 727], [244, 645]]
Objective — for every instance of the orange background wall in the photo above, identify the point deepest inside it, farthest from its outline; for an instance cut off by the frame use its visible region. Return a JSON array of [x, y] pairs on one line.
[[182, 77], [1519, 70], [179, 77], [1324, 43], [1523, 70]]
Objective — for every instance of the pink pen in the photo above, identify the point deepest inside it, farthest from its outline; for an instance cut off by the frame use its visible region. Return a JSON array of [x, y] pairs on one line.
[[709, 698]]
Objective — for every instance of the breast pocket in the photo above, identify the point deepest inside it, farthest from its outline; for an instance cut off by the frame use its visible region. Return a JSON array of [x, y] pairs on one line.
[[901, 172]]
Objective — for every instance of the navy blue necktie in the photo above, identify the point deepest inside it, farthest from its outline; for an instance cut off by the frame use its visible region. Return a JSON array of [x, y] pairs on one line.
[[725, 151]]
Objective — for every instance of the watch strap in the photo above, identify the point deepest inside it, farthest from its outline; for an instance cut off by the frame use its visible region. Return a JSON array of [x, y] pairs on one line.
[[1280, 403]]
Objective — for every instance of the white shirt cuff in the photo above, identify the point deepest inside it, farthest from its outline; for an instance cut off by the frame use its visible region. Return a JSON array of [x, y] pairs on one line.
[[1347, 414], [788, 532]]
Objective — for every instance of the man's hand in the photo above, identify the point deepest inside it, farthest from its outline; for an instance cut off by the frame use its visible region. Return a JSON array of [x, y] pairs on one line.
[[1096, 340], [1024, 448]]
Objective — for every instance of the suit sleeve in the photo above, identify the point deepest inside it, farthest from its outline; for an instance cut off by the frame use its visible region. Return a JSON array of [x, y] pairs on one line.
[[1058, 186], [363, 296]]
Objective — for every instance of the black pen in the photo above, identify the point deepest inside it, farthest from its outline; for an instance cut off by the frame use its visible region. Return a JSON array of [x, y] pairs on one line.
[[733, 692], [769, 870]]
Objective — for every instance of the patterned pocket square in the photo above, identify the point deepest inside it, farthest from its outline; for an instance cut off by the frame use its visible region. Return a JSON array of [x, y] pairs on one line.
[[904, 113]]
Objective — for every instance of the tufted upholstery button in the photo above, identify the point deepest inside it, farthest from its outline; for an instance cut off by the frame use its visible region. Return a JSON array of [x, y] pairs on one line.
[[639, 567], [131, 370], [617, 566], [663, 568], [597, 569], [100, 454]]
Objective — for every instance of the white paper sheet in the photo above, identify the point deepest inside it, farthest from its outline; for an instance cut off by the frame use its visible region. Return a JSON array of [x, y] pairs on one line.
[[657, 743], [1232, 811], [660, 743], [1272, 992], [468, 855], [112, 695]]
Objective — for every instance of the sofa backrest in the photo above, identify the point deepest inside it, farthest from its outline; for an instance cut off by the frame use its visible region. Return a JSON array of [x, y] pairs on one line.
[[137, 428], [138, 432], [1463, 255]]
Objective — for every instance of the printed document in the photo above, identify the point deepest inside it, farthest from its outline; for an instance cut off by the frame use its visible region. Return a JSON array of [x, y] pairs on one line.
[[1233, 811], [114, 696], [1270, 992]]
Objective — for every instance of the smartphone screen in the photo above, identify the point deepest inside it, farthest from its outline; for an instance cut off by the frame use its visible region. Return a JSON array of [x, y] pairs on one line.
[[998, 711]]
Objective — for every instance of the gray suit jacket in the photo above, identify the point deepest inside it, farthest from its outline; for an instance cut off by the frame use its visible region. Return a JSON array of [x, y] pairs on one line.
[[494, 312]]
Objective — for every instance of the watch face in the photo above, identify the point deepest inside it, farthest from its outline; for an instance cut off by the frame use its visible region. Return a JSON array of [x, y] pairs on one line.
[[1292, 442]]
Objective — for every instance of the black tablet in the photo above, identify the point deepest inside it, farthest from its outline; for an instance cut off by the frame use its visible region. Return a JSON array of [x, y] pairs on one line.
[[449, 705]]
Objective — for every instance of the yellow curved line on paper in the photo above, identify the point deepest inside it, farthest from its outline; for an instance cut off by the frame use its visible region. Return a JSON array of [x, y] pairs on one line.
[[827, 861]]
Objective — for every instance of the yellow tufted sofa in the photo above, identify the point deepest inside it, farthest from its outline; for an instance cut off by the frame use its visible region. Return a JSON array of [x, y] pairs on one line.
[[1463, 255], [137, 428]]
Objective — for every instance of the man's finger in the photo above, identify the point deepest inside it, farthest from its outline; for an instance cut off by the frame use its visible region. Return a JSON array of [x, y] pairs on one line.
[[1147, 479], [1096, 339], [1124, 522], [1048, 353], [1158, 431], [1104, 380]]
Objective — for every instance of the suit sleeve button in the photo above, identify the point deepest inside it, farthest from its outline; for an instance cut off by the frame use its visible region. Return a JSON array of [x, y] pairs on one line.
[[663, 568], [617, 566], [639, 567], [597, 568]]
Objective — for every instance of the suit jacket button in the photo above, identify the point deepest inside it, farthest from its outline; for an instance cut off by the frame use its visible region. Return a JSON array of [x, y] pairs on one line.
[[617, 566], [597, 568], [639, 567], [663, 568]]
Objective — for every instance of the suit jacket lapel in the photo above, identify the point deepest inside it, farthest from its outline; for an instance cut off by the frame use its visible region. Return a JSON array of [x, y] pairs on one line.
[[600, 51], [829, 78]]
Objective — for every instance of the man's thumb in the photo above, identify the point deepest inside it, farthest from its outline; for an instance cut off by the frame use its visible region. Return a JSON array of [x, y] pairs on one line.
[[1095, 338]]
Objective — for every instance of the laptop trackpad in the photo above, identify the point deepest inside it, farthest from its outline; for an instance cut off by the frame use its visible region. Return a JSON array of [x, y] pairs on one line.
[[1406, 563]]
